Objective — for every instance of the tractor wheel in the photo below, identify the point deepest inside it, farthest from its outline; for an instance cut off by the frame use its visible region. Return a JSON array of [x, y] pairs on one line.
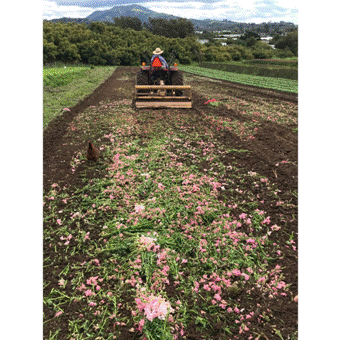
[[142, 78], [177, 79]]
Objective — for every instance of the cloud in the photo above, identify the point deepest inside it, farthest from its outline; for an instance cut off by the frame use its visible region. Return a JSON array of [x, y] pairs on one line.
[[235, 10], [52, 10], [291, 4], [255, 11], [204, 10]]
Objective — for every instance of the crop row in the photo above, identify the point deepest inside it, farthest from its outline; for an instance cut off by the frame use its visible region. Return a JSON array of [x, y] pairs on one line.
[[276, 62], [257, 70], [281, 84]]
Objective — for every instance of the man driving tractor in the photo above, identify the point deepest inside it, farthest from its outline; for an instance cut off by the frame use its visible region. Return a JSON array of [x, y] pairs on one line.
[[157, 54], [161, 85]]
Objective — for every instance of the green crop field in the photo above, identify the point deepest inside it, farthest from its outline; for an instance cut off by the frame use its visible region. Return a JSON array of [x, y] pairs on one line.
[[281, 84], [64, 87], [58, 76], [264, 70]]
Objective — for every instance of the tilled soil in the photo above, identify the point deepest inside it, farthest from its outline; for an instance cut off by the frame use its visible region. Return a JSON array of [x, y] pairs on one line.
[[273, 143]]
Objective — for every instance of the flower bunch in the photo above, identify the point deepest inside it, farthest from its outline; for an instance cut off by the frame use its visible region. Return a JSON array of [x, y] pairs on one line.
[[145, 242], [210, 101], [139, 208], [153, 306]]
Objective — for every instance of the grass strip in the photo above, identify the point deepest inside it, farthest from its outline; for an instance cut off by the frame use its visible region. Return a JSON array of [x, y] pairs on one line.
[[65, 87]]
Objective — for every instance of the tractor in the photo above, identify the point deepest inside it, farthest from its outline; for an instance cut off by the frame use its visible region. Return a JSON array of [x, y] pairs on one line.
[[160, 86]]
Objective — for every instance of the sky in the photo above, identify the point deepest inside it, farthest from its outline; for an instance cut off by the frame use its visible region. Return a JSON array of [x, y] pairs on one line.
[[250, 11]]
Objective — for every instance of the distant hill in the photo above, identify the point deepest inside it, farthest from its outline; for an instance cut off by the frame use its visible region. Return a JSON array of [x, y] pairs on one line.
[[137, 11], [144, 14]]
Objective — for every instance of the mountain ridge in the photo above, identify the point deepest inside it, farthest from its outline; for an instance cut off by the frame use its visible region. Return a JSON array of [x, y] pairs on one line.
[[144, 14], [134, 10]]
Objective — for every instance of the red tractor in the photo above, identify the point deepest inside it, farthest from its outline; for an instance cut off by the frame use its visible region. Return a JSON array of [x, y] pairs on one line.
[[158, 85]]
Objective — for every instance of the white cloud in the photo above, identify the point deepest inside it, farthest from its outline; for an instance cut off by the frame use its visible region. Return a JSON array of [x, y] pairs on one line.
[[291, 4], [52, 10], [227, 9], [256, 11]]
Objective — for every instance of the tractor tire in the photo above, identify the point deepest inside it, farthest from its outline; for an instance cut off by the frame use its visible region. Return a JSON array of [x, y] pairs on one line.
[[177, 79], [142, 78]]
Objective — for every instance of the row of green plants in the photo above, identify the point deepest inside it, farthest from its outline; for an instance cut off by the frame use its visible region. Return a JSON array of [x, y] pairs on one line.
[[280, 84], [107, 44], [291, 62], [258, 70], [55, 77], [64, 86]]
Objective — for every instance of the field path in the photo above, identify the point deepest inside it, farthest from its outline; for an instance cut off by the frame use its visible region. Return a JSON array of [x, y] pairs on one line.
[[274, 141], [247, 131]]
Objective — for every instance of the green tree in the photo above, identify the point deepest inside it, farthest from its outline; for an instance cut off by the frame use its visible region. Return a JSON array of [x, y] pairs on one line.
[[173, 28], [50, 52], [129, 22], [290, 41], [247, 35], [262, 50], [68, 52], [98, 27]]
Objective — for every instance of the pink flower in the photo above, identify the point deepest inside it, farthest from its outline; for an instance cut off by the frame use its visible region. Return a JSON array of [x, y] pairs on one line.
[[210, 101], [88, 292], [246, 277], [147, 242], [61, 282], [141, 324], [206, 287], [66, 109], [58, 313], [261, 279], [236, 272], [153, 306], [92, 280], [139, 208], [217, 297], [59, 221], [266, 221]]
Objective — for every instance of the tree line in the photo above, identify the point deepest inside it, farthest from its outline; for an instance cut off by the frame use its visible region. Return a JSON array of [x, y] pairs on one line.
[[127, 42]]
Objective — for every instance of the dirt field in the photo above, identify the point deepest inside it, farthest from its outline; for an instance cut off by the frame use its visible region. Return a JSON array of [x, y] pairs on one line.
[[260, 122]]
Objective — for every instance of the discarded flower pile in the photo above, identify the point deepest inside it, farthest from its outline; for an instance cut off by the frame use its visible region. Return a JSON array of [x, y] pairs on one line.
[[162, 237]]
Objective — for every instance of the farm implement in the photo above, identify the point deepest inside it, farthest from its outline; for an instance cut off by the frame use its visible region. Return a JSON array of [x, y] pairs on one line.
[[158, 86]]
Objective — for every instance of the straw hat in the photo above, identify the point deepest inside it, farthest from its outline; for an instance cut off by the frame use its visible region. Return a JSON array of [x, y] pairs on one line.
[[158, 51]]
